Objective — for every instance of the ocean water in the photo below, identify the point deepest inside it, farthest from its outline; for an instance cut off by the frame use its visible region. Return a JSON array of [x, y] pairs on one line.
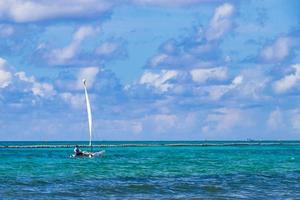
[[266, 171]]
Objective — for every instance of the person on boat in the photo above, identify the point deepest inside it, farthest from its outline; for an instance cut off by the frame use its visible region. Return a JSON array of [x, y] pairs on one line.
[[77, 151]]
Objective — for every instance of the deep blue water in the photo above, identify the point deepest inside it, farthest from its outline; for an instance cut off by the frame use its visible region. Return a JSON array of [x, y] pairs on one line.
[[269, 171]]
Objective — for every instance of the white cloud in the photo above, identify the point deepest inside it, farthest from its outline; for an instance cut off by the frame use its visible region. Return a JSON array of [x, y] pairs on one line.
[[277, 51], [222, 120], [181, 60], [24, 11], [59, 56], [248, 85], [161, 123], [22, 76], [5, 75], [284, 119], [221, 22], [158, 59], [33, 10], [88, 73], [76, 100], [295, 119], [120, 129], [107, 48], [166, 119], [137, 127], [203, 75], [43, 89], [275, 119], [170, 3], [37, 88], [6, 30], [159, 80], [237, 80], [288, 81], [215, 92], [253, 84]]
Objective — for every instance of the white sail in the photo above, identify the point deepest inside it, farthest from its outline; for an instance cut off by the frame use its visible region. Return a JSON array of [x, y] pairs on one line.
[[89, 111]]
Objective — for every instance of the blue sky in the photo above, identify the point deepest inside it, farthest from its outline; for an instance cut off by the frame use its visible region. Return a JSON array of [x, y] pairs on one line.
[[156, 69]]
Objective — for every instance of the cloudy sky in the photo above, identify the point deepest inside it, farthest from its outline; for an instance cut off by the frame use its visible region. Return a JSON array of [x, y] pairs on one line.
[[155, 69]]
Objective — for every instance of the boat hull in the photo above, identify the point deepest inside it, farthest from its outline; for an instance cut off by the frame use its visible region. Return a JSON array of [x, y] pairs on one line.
[[89, 154]]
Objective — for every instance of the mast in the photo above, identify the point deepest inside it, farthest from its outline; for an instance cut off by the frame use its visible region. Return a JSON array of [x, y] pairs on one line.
[[89, 111]]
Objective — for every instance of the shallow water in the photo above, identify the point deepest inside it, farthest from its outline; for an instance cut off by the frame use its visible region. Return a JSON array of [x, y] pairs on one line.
[[208, 172]]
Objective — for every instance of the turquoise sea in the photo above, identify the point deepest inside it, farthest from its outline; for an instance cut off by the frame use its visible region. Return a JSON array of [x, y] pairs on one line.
[[268, 170]]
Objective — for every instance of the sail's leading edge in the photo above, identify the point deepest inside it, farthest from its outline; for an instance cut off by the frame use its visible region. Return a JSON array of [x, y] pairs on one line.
[[89, 111]]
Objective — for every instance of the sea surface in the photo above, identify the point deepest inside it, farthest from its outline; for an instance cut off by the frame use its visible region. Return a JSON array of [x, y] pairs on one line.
[[268, 170]]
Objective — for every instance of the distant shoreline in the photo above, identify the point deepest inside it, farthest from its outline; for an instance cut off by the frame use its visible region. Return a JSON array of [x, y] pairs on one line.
[[154, 144]]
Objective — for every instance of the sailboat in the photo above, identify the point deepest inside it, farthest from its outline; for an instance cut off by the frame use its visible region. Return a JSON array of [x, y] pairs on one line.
[[90, 123]]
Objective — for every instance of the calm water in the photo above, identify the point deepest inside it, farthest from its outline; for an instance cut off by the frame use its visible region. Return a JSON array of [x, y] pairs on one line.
[[214, 172]]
